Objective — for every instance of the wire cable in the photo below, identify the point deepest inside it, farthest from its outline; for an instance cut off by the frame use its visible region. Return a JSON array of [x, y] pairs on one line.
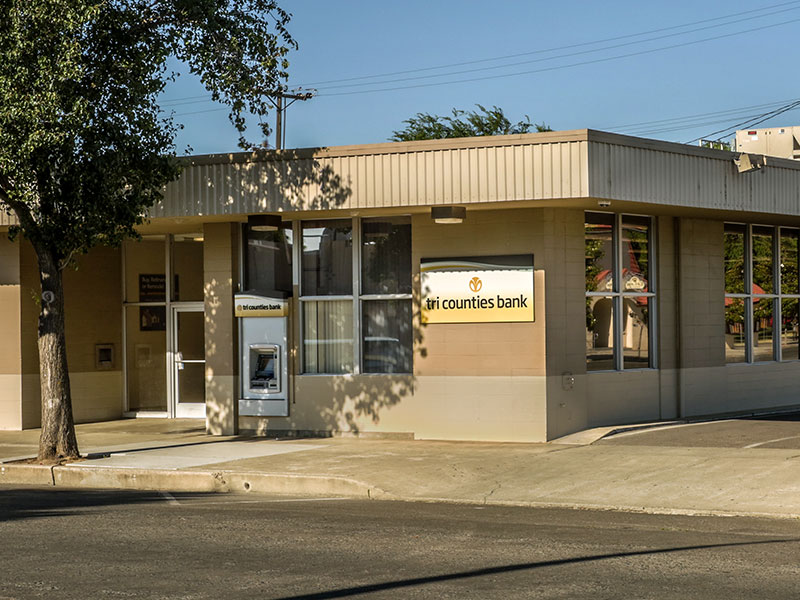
[[559, 67], [550, 58], [206, 98], [748, 123], [554, 49], [707, 114]]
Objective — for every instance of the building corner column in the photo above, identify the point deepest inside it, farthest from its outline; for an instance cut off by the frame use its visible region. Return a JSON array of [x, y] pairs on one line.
[[220, 278]]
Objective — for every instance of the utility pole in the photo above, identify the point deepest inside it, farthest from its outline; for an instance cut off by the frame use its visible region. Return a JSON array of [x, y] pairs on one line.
[[280, 119]]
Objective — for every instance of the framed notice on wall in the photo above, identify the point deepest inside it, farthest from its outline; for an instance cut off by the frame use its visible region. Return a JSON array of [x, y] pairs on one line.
[[152, 318], [477, 289], [152, 287]]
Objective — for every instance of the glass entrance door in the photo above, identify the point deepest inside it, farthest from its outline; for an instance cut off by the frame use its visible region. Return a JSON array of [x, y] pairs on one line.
[[188, 361]]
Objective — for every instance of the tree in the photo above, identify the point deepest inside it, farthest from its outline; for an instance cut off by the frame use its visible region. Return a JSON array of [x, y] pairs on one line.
[[491, 121], [84, 148], [717, 145]]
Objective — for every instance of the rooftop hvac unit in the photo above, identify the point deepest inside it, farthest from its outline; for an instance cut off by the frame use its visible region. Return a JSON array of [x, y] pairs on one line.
[[783, 142]]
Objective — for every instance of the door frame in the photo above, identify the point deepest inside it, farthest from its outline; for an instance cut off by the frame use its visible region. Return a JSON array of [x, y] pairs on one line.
[[176, 409]]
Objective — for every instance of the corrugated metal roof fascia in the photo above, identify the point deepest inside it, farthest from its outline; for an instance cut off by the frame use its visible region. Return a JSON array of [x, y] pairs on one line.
[[551, 137], [548, 137], [692, 181], [493, 173]]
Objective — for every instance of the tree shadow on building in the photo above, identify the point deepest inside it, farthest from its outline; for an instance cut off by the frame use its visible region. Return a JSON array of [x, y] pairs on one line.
[[276, 182]]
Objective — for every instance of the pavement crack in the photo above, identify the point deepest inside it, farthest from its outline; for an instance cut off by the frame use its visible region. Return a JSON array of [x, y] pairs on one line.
[[492, 491]]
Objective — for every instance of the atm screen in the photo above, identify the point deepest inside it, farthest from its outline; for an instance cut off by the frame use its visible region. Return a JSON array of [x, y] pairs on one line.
[[265, 366]]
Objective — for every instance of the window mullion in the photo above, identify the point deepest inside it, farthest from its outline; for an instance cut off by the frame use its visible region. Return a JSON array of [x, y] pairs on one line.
[[652, 287], [748, 282], [356, 229], [776, 301], [297, 269], [618, 304]]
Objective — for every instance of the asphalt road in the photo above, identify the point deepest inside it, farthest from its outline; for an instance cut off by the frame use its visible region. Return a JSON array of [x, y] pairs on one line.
[[99, 544], [777, 431]]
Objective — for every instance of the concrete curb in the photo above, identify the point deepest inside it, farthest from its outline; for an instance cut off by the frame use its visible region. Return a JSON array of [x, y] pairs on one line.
[[26, 474], [189, 481], [231, 482]]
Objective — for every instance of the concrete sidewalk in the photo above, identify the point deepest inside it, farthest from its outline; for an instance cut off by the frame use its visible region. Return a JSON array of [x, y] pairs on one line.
[[178, 456]]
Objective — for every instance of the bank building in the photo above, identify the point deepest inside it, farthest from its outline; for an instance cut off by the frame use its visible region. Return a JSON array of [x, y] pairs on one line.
[[509, 288]]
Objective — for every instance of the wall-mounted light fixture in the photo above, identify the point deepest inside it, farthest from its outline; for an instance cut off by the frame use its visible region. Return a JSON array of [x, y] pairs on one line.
[[747, 163], [264, 222], [448, 214]]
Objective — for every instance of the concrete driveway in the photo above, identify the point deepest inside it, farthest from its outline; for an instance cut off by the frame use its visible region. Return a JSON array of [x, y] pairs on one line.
[[778, 432]]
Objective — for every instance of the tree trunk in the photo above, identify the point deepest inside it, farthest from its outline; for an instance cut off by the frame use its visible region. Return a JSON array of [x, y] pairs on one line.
[[58, 439]]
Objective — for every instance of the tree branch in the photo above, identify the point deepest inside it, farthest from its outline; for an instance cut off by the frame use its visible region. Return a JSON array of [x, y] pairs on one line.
[[20, 208]]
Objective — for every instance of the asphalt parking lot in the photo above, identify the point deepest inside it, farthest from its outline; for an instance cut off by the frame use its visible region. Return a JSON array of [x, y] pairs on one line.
[[776, 431]]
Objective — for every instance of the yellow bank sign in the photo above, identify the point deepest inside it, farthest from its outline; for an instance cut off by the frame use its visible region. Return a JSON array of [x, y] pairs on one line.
[[491, 289], [250, 305]]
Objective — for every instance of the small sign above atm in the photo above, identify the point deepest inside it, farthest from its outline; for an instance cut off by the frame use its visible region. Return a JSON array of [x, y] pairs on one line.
[[250, 305]]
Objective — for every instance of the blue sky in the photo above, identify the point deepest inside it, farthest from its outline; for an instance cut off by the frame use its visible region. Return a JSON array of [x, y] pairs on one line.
[[625, 66]]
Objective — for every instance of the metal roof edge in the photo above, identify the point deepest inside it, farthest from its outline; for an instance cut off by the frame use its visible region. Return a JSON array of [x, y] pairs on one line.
[[618, 139], [486, 141], [495, 141]]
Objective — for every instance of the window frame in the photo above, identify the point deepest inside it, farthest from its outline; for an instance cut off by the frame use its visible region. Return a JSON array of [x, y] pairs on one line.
[[355, 297], [776, 297], [618, 294]]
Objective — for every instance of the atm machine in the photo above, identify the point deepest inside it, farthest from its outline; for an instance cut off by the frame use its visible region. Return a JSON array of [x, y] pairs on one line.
[[264, 344]]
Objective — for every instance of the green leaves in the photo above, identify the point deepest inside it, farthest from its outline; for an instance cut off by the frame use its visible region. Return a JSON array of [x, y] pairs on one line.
[[463, 123], [84, 146]]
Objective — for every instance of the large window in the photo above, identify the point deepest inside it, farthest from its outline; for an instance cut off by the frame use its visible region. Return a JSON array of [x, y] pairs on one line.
[[761, 293], [355, 296], [268, 261], [620, 294], [386, 330], [327, 296]]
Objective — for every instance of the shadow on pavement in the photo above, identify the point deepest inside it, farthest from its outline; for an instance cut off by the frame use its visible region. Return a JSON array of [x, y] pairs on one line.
[[20, 503], [407, 583], [156, 445], [787, 417]]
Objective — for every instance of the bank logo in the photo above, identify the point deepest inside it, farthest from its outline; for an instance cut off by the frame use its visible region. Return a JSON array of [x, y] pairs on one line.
[[475, 284]]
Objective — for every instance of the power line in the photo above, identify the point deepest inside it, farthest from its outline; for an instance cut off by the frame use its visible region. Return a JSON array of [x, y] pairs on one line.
[[708, 114], [559, 67], [750, 123], [694, 125], [550, 58], [554, 49], [696, 120], [204, 98]]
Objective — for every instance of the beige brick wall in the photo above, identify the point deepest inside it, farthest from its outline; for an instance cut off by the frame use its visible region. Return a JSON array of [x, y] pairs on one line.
[[701, 327], [702, 285], [10, 346], [220, 266], [93, 294], [497, 408], [564, 264], [667, 318], [485, 349], [471, 381]]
